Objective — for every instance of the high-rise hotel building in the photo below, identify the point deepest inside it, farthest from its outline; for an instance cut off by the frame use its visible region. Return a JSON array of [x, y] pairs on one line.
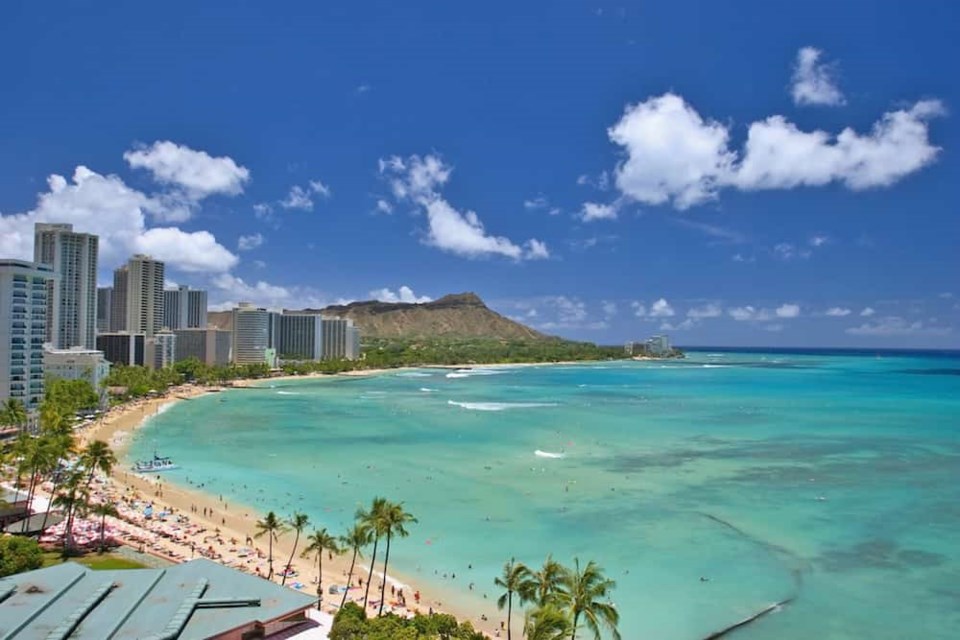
[[23, 329], [184, 308], [72, 297], [137, 305]]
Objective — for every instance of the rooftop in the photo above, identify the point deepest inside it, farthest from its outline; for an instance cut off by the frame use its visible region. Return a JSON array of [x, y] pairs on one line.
[[190, 601]]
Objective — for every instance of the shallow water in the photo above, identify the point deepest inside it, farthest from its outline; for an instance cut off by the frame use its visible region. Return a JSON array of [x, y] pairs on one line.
[[831, 478]]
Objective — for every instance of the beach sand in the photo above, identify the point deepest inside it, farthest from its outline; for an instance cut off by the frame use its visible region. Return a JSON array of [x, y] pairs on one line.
[[238, 522]]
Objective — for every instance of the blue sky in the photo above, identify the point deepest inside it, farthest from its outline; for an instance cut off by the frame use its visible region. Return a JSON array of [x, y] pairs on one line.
[[782, 174]]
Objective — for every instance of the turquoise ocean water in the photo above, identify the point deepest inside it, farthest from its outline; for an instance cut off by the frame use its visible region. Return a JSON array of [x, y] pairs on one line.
[[830, 478]]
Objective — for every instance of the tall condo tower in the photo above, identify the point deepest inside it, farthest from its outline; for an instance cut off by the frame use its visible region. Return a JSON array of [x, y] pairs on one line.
[[72, 297], [23, 328], [138, 296], [184, 308]]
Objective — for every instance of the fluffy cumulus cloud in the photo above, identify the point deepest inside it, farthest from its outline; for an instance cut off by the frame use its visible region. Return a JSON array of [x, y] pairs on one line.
[[419, 180], [673, 155], [813, 82], [104, 205], [867, 312], [661, 309], [895, 326], [597, 211], [403, 294], [227, 290], [788, 311], [197, 172], [838, 312], [247, 243], [639, 309]]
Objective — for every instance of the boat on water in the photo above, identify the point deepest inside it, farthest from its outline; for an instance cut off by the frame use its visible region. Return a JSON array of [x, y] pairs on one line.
[[157, 464]]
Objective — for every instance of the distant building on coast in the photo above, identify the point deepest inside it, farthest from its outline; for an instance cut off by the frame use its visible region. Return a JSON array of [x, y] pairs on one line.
[[656, 347], [251, 335], [121, 347], [161, 349], [76, 363], [23, 329], [184, 308], [341, 339], [211, 346], [301, 336], [72, 298]]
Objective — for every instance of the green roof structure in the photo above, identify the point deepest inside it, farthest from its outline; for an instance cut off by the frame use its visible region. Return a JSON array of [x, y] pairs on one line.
[[191, 601]]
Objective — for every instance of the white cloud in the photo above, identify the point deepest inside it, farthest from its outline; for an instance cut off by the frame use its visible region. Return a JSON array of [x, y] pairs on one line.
[[675, 156], [819, 241], [609, 308], [788, 311], [106, 206], [532, 204], [554, 211], [709, 310], [867, 312], [739, 257], [639, 309], [742, 314], [686, 325], [403, 294], [720, 234], [813, 82], [459, 232], [601, 182], [226, 290], [384, 207], [838, 312], [247, 243], [896, 326], [197, 172], [786, 251], [661, 309], [260, 264], [595, 211], [302, 197], [363, 88], [263, 210]]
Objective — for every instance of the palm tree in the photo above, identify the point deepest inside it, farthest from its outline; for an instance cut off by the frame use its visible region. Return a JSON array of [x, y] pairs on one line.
[[356, 538], [515, 578], [542, 586], [62, 445], [97, 456], [393, 518], [298, 522], [272, 527], [74, 499], [374, 521], [584, 593], [103, 509], [14, 413], [547, 623], [318, 542]]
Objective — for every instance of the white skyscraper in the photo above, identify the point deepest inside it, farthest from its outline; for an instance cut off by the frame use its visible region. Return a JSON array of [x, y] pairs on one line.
[[72, 299], [251, 334], [23, 328]]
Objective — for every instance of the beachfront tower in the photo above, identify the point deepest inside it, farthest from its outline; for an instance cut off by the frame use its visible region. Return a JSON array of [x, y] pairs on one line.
[[138, 296], [72, 298], [23, 329], [251, 334], [184, 308], [104, 307]]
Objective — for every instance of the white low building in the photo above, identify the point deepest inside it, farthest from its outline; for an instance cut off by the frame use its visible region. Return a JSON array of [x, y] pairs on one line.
[[76, 363]]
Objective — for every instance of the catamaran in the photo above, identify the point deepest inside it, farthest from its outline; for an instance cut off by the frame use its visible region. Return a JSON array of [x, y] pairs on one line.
[[157, 464]]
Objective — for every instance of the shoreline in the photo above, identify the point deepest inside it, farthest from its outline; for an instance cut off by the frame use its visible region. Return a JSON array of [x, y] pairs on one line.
[[236, 522]]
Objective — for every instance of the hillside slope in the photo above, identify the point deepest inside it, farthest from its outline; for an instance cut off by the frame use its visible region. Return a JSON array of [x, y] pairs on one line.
[[462, 315]]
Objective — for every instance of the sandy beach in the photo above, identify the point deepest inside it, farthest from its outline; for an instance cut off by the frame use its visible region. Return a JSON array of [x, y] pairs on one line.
[[236, 523]]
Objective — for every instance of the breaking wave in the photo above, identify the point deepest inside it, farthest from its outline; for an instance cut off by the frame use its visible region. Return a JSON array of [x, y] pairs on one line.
[[499, 406]]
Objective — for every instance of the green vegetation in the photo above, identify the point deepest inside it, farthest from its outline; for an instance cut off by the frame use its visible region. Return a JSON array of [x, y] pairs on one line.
[[351, 623], [563, 598], [449, 351], [13, 413], [105, 562], [70, 396], [141, 381], [318, 543], [18, 554], [272, 527]]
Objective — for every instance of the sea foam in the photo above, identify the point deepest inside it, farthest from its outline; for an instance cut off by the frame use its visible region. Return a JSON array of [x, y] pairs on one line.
[[499, 406]]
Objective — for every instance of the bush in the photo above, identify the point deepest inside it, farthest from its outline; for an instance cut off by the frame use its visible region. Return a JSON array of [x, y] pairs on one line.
[[18, 554], [351, 623]]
